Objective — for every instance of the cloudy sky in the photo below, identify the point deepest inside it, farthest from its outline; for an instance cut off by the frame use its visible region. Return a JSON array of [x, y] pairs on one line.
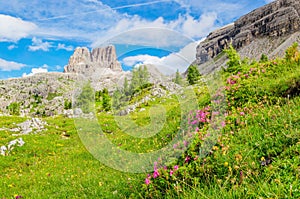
[[40, 35]]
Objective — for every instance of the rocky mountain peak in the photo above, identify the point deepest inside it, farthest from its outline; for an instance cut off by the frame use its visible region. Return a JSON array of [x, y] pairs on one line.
[[88, 62]]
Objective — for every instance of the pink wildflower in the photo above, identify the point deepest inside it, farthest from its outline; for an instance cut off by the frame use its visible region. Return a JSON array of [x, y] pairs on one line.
[[155, 174], [171, 172], [147, 181], [185, 143], [155, 165], [223, 123], [187, 159], [194, 122], [176, 167]]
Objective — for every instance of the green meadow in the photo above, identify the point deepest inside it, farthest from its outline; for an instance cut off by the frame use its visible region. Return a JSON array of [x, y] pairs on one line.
[[256, 154]]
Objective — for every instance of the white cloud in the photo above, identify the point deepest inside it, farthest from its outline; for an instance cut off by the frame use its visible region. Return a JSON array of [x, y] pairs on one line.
[[13, 29], [168, 64], [42, 69], [80, 21], [158, 33], [197, 28], [58, 67], [95, 22], [10, 65], [98, 24], [227, 11], [12, 47], [38, 44], [140, 59], [64, 47]]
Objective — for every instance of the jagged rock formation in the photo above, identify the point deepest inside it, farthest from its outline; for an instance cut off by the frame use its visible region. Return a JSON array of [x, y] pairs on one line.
[[263, 30], [99, 65], [85, 62]]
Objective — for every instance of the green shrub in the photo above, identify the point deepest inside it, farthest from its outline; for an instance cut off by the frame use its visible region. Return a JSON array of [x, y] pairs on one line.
[[14, 108]]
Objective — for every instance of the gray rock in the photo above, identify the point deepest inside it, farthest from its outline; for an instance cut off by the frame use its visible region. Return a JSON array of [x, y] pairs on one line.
[[264, 29], [34, 125], [85, 62], [77, 112]]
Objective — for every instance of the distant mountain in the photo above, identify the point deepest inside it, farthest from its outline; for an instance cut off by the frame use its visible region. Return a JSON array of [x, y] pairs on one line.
[[99, 65], [85, 62], [269, 30]]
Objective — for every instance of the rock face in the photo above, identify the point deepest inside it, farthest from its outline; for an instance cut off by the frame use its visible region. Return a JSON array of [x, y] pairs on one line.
[[100, 66], [268, 26], [85, 62]]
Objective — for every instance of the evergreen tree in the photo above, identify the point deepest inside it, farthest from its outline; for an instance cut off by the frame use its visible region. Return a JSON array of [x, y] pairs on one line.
[[86, 99], [140, 78], [144, 76], [116, 99], [106, 101], [193, 74], [126, 87], [178, 78]]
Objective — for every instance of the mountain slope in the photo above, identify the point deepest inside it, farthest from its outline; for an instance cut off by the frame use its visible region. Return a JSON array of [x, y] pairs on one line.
[[269, 30]]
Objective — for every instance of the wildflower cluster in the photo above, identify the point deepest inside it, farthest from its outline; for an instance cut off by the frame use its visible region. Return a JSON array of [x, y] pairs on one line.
[[158, 171]]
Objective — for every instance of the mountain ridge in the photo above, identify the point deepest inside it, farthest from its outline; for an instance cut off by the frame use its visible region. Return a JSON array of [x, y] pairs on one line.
[[263, 30]]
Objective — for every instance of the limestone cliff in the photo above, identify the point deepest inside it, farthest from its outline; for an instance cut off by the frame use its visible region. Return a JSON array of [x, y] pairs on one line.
[[85, 62], [269, 30]]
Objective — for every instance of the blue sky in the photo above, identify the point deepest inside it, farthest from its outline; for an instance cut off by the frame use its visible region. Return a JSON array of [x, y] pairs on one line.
[[41, 35]]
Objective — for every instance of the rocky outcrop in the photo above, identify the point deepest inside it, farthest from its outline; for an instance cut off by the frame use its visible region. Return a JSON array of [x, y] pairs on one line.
[[87, 63], [268, 26], [40, 94]]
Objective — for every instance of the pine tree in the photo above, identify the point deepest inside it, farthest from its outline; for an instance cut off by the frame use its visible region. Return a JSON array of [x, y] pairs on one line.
[[178, 78], [193, 74], [86, 99], [106, 100], [140, 78], [116, 99], [126, 87]]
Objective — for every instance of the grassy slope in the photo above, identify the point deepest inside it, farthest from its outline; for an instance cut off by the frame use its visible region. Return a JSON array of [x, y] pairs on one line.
[[50, 166]]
